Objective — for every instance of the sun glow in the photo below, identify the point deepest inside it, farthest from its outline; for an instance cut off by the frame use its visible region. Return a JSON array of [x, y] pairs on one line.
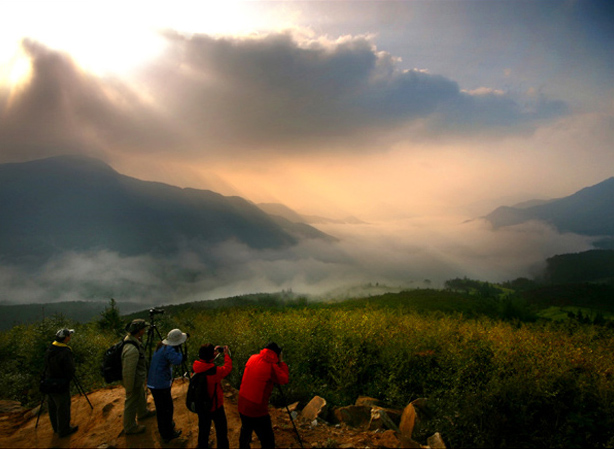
[[16, 70], [118, 37]]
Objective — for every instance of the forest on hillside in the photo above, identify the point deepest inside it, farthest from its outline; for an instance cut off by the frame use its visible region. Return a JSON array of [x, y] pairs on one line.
[[494, 371]]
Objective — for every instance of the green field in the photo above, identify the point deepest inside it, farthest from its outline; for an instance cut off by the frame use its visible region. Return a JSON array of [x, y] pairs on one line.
[[494, 372]]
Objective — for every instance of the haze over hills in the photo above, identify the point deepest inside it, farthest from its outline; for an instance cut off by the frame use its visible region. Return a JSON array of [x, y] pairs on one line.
[[589, 211], [284, 211], [72, 203]]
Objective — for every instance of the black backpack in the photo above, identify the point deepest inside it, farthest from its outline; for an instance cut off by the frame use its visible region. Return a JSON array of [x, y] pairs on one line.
[[111, 367], [198, 400]]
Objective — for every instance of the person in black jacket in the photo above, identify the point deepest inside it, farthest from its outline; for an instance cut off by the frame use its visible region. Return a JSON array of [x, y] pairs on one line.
[[60, 366]]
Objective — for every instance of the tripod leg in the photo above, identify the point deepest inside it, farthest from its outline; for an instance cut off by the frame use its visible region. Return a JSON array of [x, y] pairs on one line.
[[40, 410], [82, 392]]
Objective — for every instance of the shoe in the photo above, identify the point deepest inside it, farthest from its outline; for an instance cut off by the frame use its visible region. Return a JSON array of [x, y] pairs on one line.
[[175, 434], [136, 430], [70, 431], [149, 414]]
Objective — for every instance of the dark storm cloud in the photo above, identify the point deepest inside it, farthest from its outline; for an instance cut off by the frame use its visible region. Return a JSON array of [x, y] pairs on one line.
[[217, 97], [278, 90]]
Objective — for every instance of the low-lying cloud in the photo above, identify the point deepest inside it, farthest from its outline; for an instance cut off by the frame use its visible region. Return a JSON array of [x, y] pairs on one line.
[[410, 253]]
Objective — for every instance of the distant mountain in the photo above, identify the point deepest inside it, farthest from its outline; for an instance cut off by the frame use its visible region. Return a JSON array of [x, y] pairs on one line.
[[281, 210], [77, 203], [589, 211]]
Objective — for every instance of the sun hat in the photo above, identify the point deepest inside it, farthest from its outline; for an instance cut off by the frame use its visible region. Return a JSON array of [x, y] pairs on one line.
[[175, 338], [63, 333], [137, 325]]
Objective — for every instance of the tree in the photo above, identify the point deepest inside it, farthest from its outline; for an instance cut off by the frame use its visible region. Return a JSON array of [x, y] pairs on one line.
[[111, 319]]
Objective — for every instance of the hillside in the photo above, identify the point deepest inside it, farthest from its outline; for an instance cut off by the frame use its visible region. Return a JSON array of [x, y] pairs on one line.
[[72, 203], [589, 211], [101, 426]]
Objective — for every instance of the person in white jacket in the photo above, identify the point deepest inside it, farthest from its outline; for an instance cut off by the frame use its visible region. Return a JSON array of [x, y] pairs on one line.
[[134, 374]]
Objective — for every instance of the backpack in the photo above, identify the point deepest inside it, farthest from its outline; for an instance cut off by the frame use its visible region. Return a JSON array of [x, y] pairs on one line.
[[111, 366], [198, 400]]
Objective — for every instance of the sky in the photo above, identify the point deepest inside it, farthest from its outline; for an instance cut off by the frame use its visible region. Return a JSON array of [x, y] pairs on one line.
[[413, 116]]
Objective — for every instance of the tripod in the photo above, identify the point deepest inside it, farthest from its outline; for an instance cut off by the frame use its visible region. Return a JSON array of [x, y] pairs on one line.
[[300, 442], [152, 331], [81, 392]]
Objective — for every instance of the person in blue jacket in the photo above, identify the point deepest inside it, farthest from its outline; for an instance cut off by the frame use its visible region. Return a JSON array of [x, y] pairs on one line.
[[160, 379]]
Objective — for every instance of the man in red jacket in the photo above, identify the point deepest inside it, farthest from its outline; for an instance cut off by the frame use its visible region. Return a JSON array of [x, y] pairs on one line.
[[262, 371], [206, 355]]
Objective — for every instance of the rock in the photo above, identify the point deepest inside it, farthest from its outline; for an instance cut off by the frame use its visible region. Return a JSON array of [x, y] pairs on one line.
[[381, 420], [389, 439], [353, 415], [408, 420], [423, 409], [293, 407], [11, 407], [317, 408], [435, 441], [369, 402]]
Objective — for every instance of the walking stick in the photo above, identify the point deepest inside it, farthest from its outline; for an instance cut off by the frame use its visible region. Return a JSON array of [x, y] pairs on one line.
[[82, 392], [290, 414]]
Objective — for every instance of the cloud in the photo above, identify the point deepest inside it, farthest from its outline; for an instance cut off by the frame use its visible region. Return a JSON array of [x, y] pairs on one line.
[[399, 254], [62, 109], [218, 97]]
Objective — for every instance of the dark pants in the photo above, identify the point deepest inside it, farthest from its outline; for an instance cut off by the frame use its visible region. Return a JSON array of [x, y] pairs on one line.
[[59, 412], [164, 411], [221, 428], [263, 428]]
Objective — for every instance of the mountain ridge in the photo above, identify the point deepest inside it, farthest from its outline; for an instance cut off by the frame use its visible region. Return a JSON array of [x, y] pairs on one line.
[[589, 211], [77, 203]]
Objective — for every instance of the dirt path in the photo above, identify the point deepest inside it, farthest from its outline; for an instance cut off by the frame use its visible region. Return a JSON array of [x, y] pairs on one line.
[[102, 426]]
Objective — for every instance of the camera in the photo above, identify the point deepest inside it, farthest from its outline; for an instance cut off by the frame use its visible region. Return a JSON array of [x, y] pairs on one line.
[[155, 311]]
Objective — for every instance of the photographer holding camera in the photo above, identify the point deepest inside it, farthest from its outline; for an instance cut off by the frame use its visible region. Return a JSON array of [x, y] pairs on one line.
[[214, 375], [160, 379], [262, 372]]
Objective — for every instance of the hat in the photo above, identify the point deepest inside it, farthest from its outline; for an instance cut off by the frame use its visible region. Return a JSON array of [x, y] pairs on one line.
[[274, 347], [175, 338], [63, 333], [206, 352], [137, 325]]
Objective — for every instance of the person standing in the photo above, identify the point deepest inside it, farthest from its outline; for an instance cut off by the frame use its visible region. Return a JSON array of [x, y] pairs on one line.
[[60, 366], [262, 372], [160, 380], [134, 372], [215, 374]]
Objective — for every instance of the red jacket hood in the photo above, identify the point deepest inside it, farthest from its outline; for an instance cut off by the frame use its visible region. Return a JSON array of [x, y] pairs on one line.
[[269, 355], [200, 366]]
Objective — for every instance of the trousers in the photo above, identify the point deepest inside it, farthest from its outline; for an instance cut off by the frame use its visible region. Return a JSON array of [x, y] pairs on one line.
[[221, 428], [164, 410], [262, 426], [59, 411], [135, 404]]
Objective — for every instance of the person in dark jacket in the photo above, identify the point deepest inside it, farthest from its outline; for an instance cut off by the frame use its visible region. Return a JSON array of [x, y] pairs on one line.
[[160, 380], [207, 356], [60, 364], [134, 373], [262, 372]]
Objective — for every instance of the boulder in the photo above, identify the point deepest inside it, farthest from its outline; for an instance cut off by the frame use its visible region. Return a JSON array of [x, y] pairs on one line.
[[317, 408], [353, 415], [11, 407], [408, 421], [369, 402], [381, 420], [389, 439], [435, 441]]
